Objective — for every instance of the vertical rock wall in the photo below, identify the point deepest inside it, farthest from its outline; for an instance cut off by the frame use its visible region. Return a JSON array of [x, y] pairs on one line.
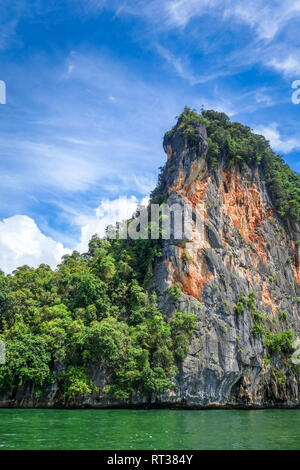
[[245, 248]]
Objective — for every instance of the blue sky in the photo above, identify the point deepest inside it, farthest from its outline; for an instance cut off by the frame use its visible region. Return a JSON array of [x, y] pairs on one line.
[[93, 85]]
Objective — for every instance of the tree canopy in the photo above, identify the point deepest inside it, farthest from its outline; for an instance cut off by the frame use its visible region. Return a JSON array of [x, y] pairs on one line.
[[91, 312]]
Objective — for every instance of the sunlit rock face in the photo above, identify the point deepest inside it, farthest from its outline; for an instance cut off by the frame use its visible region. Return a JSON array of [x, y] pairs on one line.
[[244, 249]]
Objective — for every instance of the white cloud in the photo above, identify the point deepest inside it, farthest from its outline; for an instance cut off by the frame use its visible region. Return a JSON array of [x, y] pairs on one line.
[[108, 212], [182, 68], [92, 132], [278, 143], [266, 18], [7, 34], [232, 104], [21, 242], [181, 11], [289, 66], [91, 6], [222, 105]]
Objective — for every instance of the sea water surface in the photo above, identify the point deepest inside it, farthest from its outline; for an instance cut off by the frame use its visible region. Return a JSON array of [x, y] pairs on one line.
[[149, 429]]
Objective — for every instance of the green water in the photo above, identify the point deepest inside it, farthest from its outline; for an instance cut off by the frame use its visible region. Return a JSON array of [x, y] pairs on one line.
[[149, 429]]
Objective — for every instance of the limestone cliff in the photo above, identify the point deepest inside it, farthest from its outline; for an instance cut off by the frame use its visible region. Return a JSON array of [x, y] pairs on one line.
[[246, 251]]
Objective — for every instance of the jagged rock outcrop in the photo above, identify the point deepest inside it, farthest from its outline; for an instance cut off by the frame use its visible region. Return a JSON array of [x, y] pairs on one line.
[[245, 249]]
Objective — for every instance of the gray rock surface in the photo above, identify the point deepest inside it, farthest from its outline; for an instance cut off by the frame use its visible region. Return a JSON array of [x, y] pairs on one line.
[[245, 248]]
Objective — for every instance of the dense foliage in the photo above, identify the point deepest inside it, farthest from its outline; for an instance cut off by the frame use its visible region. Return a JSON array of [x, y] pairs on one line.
[[92, 311], [235, 144]]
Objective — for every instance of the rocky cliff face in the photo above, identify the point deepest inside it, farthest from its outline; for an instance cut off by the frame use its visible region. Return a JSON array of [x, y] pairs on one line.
[[241, 279]]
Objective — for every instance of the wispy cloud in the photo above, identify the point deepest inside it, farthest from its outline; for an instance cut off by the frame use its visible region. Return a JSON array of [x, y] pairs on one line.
[[7, 34], [183, 68], [180, 12], [63, 140], [76, 141], [267, 18], [180, 65], [278, 143], [289, 66]]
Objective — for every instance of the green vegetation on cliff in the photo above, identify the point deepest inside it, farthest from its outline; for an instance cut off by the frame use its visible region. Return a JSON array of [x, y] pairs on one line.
[[235, 144], [91, 312]]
